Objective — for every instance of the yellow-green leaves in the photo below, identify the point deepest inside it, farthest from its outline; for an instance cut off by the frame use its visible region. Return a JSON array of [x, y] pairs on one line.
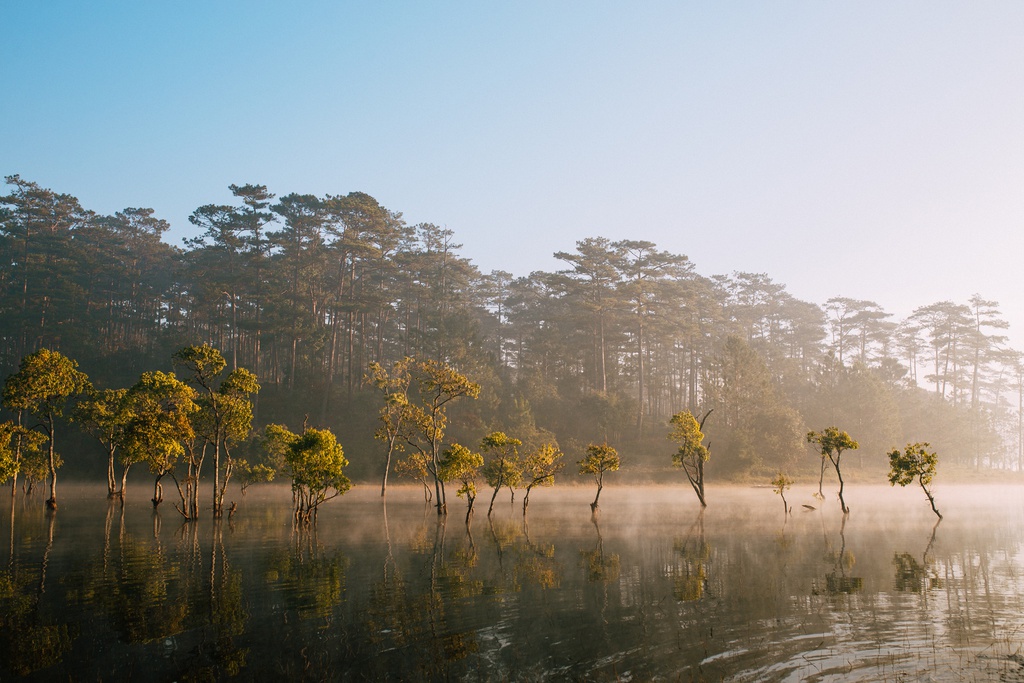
[[686, 432], [915, 461]]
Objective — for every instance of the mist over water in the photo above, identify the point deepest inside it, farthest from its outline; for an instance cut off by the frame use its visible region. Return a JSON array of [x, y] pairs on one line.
[[650, 588]]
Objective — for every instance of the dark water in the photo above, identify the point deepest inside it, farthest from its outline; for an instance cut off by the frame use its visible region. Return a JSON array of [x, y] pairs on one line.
[[652, 591]]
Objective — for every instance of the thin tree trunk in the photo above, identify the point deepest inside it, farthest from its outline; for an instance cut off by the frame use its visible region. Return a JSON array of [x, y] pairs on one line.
[[931, 499], [52, 502]]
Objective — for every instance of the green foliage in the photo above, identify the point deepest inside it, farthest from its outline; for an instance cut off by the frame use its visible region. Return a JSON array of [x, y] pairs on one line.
[[625, 333], [43, 384], [425, 417], [913, 462], [458, 463], [34, 461], [686, 432], [316, 462], [9, 463], [395, 411], [832, 442], [692, 453], [503, 468], [225, 413], [257, 473], [202, 363], [106, 415], [600, 458], [45, 381], [541, 465], [161, 408], [780, 484], [20, 452], [275, 444]]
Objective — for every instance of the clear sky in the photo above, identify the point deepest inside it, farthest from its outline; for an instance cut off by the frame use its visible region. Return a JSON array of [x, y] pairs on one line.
[[873, 150]]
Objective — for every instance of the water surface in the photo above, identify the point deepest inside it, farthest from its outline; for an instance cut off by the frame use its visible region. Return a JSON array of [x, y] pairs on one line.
[[649, 590]]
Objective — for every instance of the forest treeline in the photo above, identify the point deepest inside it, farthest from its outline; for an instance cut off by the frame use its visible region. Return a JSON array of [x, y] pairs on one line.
[[308, 291]]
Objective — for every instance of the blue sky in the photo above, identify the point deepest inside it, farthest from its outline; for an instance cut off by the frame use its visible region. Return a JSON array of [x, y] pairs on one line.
[[867, 149]]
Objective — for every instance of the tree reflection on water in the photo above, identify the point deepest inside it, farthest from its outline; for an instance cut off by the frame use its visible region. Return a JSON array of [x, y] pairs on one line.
[[393, 591], [33, 639]]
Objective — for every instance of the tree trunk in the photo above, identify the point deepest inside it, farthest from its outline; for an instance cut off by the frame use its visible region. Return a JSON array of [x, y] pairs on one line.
[[124, 482], [493, 496], [594, 506], [158, 491], [216, 479], [52, 502], [842, 502], [931, 499], [111, 477]]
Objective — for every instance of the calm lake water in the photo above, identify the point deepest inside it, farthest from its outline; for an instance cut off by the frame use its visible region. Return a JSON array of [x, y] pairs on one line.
[[650, 591]]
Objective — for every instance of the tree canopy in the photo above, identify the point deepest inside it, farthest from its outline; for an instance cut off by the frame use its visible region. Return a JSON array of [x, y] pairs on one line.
[[306, 291]]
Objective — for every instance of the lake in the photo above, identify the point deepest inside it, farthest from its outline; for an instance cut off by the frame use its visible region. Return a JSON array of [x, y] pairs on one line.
[[649, 590]]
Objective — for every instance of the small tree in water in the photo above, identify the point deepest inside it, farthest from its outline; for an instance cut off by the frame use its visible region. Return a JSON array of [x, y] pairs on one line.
[[692, 453], [161, 408], [315, 460], [224, 417], [460, 464], [504, 467], [833, 442], [20, 454], [599, 459], [105, 414], [540, 468], [779, 485], [395, 411], [914, 462], [425, 419], [414, 466], [44, 383]]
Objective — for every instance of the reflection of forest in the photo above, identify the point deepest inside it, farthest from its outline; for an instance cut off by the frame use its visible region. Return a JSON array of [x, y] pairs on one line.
[[412, 597], [31, 638]]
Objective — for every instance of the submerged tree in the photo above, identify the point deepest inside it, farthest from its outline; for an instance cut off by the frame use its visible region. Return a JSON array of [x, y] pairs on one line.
[[44, 383], [20, 453], [692, 453], [833, 442], [273, 445], [914, 462], [600, 458], [225, 415], [253, 473], [540, 468], [437, 386], [779, 485], [395, 411], [503, 468], [234, 396], [105, 414], [161, 409], [414, 466], [9, 464], [316, 462], [460, 464]]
